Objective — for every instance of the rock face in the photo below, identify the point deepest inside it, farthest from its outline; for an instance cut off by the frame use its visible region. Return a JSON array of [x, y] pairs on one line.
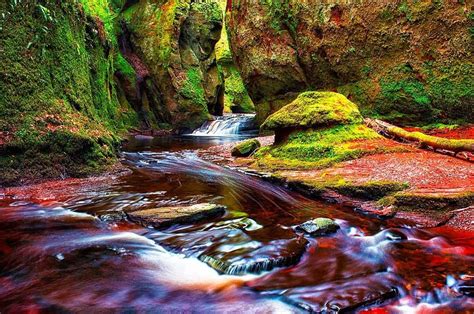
[[404, 59], [246, 148], [236, 98], [176, 40], [166, 216], [60, 109]]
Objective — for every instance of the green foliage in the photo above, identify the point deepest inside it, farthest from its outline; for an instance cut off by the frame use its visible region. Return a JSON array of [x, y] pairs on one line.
[[122, 65], [57, 89]]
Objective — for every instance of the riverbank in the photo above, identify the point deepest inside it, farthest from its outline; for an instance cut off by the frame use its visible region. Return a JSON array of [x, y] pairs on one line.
[[425, 188]]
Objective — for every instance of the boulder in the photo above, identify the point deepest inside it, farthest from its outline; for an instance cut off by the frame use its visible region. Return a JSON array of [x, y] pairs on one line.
[[162, 217], [246, 148], [312, 110], [319, 227]]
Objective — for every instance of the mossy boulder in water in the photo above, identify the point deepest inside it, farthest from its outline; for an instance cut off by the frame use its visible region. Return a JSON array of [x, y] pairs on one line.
[[166, 216], [312, 110], [319, 226], [246, 148]]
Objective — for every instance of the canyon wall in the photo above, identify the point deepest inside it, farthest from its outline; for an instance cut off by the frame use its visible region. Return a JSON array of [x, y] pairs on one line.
[[399, 60], [76, 75]]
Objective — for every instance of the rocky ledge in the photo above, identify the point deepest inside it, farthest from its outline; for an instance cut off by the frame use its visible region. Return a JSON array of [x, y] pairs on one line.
[[162, 217]]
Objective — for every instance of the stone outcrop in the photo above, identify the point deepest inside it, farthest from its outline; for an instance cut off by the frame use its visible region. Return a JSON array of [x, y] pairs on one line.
[[407, 60], [60, 112]]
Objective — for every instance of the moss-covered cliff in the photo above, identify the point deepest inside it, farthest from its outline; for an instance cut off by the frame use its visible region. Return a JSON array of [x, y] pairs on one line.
[[59, 110], [77, 74], [176, 40], [405, 60]]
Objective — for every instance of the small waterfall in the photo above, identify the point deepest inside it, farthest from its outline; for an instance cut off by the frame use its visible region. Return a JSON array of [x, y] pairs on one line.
[[227, 125]]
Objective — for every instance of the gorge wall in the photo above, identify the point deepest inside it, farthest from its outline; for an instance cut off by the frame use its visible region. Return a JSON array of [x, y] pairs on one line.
[[400, 60], [76, 75]]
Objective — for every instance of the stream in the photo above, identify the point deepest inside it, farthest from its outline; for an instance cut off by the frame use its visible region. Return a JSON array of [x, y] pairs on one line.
[[83, 255]]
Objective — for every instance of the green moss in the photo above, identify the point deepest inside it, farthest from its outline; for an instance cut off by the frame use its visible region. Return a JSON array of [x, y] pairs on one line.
[[192, 87], [312, 110], [319, 148], [432, 201], [372, 190], [236, 98], [57, 79], [246, 148], [122, 65]]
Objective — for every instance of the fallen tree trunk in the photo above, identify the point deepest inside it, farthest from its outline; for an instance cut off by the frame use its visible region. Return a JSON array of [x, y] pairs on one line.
[[453, 145]]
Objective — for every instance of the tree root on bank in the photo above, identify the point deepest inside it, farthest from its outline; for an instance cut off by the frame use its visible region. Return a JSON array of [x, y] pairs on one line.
[[437, 143]]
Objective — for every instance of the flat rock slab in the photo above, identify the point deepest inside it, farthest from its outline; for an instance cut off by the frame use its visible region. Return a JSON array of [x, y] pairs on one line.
[[166, 216]]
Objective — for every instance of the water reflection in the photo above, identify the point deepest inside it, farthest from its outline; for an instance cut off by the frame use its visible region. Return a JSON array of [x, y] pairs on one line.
[[64, 258]]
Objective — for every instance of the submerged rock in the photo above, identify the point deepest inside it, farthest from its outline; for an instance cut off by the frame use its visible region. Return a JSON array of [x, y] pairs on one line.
[[166, 216], [246, 259], [245, 149], [319, 226]]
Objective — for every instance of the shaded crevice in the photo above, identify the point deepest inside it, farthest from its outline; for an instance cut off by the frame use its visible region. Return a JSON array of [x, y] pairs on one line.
[[143, 95]]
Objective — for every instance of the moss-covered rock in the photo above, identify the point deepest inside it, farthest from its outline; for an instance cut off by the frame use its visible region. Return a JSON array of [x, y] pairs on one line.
[[406, 60], [319, 227], [312, 110], [319, 148], [236, 97], [59, 111], [246, 148]]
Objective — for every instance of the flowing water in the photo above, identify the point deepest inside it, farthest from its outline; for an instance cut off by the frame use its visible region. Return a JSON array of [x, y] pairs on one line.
[[82, 255], [229, 124]]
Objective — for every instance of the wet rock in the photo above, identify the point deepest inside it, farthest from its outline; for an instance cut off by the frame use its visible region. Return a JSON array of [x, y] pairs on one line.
[[114, 216], [166, 216], [319, 227], [343, 296], [245, 258], [246, 148]]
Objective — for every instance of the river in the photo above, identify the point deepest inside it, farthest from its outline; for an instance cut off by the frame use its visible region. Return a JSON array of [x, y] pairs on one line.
[[83, 255]]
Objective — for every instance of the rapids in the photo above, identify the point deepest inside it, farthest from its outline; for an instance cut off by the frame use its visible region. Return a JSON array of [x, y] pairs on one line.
[[82, 255]]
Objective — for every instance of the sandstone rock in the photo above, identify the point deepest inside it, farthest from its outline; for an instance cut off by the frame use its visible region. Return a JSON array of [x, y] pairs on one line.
[[246, 149], [165, 216], [319, 226]]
